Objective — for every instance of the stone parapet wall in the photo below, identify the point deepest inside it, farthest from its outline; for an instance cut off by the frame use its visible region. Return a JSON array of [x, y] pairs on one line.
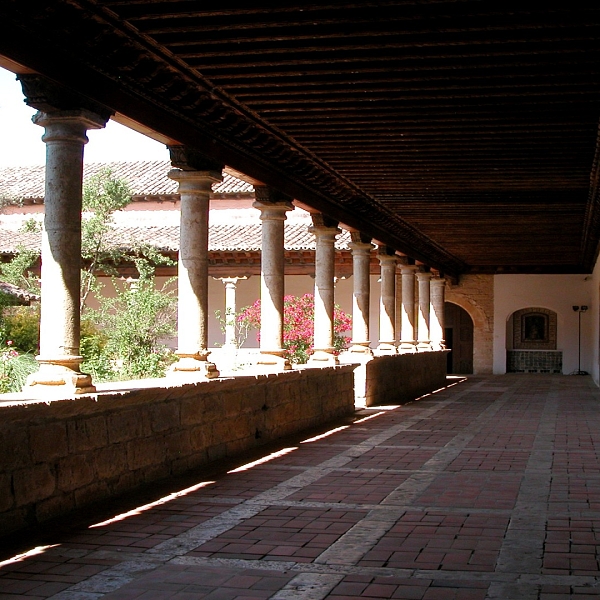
[[403, 377], [65, 454]]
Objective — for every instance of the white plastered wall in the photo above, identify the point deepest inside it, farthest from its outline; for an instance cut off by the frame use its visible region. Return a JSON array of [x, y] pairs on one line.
[[594, 323], [558, 293]]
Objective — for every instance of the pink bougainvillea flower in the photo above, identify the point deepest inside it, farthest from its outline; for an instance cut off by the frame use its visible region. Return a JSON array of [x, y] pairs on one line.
[[298, 326]]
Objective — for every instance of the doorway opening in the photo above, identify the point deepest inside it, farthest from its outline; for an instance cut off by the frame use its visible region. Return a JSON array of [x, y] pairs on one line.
[[459, 339]]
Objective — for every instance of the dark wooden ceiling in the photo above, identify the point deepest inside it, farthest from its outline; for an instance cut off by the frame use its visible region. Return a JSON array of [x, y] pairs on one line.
[[463, 133]]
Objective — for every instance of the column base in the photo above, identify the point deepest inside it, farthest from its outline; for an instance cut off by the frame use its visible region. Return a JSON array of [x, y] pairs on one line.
[[407, 348], [386, 349], [357, 353], [272, 362], [321, 358], [424, 347], [194, 364], [59, 376]]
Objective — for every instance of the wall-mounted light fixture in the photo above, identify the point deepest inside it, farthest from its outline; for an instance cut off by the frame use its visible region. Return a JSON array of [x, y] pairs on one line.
[[579, 310]]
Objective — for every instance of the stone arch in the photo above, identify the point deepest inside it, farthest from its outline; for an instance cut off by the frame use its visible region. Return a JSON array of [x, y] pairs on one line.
[[482, 331]]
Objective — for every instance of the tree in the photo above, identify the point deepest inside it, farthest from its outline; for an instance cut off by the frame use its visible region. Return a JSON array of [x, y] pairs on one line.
[[121, 339], [103, 194]]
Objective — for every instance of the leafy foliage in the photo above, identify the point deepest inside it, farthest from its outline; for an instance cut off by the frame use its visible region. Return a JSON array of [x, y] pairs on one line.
[[122, 339], [102, 196], [14, 368], [18, 271], [21, 325], [298, 326]]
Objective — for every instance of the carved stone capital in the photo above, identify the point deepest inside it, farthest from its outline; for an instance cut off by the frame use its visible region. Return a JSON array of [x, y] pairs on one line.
[[265, 194], [195, 181], [190, 159], [49, 97], [273, 211], [323, 221]]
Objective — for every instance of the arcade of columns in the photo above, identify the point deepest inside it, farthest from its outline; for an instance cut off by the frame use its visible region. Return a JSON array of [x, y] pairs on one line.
[[66, 120]]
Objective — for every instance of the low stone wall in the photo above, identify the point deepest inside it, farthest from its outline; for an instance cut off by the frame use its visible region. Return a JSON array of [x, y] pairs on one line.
[[403, 377], [64, 454]]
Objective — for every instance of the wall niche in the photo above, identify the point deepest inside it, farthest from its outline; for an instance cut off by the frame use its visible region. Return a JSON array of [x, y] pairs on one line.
[[534, 329], [534, 342]]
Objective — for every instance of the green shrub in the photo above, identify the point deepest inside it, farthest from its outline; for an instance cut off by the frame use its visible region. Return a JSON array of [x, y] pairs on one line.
[[14, 369], [21, 325], [123, 337]]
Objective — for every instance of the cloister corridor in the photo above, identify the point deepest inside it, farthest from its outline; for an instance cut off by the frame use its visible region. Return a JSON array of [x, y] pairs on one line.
[[488, 488]]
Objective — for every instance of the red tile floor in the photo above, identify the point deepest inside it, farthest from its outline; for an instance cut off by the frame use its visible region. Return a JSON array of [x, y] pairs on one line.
[[488, 489]]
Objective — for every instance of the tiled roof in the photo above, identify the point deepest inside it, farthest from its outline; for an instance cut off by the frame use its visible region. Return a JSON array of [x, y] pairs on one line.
[[241, 235], [230, 229], [20, 295], [145, 178]]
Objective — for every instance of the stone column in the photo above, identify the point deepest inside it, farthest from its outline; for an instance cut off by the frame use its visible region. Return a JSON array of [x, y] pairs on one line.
[[387, 303], [423, 335], [230, 308], [195, 176], [65, 137], [398, 304], [273, 206], [407, 331], [360, 350], [437, 306], [325, 233]]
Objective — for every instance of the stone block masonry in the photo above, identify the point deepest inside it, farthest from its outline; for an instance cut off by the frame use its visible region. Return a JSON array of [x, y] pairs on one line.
[[61, 455], [403, 377]]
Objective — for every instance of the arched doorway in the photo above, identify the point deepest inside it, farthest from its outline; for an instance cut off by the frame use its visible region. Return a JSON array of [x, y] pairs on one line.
[[459, 339]]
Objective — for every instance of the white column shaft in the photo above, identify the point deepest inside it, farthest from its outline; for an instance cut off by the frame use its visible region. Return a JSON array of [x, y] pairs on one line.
[[437, 307], [361, 265], [61, 238], [423, 334], [387, 305], [192, 276], [230, 308], [324, 296], [407, 332], [65, 137], [324, 287], [272, 276]]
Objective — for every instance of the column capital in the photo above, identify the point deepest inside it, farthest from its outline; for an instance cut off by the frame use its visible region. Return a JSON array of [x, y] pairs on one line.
[[408, 269], [195, 181], [230, 281], [321, 220], [423, 275], [49, 97], [360, 242], [360, 247], [273, 211], [387, 259], [438, 282], [68, 125], [324, 233], [190, 159], [267, 194]]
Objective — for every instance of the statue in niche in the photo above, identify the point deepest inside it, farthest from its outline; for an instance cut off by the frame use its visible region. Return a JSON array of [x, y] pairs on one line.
[[535, 328]]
